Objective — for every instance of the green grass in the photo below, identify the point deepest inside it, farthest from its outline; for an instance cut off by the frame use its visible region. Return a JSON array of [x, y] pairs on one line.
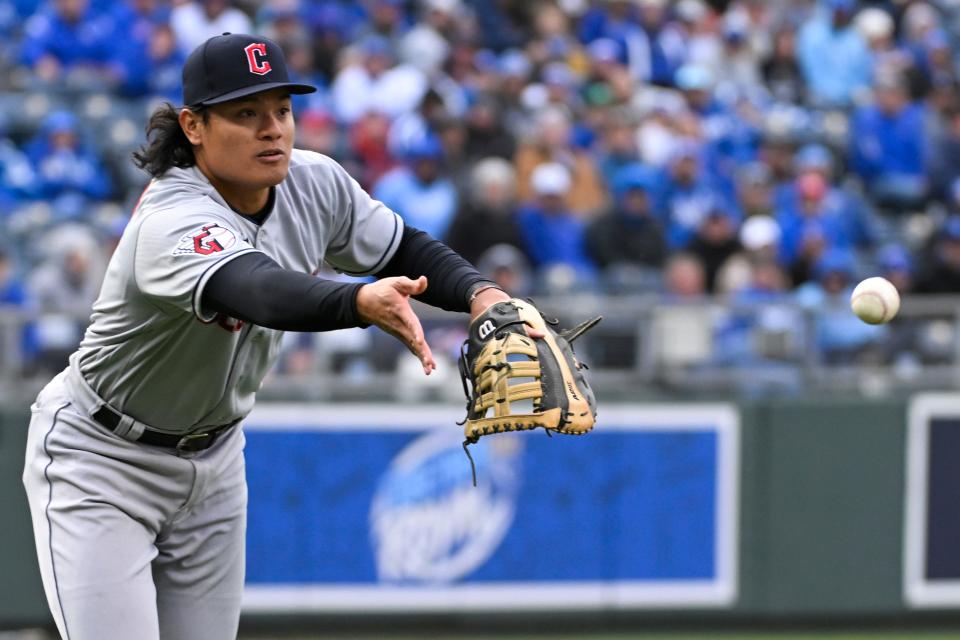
[[874, 635]]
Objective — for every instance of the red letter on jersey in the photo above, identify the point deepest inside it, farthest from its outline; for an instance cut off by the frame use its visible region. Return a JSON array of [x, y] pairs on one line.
[[208, 247], [257, 58]]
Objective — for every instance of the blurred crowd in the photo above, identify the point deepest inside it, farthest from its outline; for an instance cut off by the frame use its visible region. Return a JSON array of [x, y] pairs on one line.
[[747, 150]]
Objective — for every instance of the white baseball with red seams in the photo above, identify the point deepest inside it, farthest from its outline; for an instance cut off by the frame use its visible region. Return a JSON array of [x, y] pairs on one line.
[[875, 300]]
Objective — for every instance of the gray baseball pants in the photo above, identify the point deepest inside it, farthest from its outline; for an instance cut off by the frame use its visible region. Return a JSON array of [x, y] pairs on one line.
[[134, 541]]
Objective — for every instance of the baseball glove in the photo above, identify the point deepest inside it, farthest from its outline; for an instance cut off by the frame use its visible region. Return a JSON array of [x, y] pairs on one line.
[[501, 366]]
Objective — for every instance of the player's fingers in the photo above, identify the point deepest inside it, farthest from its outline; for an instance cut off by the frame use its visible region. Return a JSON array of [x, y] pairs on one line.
[[420, 284], [417, 342], [418, 346], [411, 287], [535, 333]]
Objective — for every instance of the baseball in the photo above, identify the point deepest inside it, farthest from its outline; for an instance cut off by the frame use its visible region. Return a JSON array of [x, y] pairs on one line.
[[875, 300]]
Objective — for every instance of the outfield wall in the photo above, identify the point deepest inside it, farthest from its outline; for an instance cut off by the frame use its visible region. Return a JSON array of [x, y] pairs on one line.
[[785, 509]]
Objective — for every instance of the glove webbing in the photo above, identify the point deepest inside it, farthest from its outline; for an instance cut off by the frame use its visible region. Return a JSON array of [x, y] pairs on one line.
[[492, 388]]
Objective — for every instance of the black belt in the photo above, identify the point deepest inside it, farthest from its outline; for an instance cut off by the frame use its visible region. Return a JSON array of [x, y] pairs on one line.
[[190, 442]]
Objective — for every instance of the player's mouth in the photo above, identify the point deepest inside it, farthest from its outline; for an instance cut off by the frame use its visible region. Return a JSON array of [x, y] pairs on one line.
[[271, 156]]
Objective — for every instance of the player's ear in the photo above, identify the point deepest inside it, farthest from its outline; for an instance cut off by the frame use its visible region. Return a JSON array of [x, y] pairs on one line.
[[191, 122]]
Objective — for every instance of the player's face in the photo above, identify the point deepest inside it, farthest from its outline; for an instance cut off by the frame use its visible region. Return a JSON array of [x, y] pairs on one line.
[[244, 147]]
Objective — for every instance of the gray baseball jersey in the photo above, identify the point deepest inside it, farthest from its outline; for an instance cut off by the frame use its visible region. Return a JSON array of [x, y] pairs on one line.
[[137, 541], [148, 319]]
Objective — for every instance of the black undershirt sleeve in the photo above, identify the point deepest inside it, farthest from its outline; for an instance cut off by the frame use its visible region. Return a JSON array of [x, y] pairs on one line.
[[255, 289], [450, 278]]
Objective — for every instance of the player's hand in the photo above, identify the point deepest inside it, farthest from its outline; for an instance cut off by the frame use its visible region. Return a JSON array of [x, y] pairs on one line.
[[489, 297], [386, 303]]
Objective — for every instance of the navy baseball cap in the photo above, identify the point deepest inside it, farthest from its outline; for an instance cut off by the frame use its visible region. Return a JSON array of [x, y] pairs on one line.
[[234, 65]]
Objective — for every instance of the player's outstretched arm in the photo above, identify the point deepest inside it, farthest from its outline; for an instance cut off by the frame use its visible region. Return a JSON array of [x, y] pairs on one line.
[[386, 303]]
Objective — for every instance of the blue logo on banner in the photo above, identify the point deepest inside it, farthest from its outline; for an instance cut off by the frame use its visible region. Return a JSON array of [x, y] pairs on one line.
[[428, 522]]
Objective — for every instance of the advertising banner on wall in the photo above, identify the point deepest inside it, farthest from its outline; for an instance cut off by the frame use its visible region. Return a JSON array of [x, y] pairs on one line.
[[932, 523], [359, 508]]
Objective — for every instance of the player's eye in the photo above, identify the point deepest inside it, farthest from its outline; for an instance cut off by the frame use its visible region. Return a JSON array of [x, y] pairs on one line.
[[247, 113], [284, 111]]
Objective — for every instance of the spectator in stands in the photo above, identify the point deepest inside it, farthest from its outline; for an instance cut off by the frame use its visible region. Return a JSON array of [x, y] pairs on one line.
[[551, 143], [854, 215], [507, 265], [419, 190], [684, 278], [887, 146], [877, 29], [761, 19], [553, 235], [514, 69], [368, 145], [739, 62], [195, 21], [332, 26], [14, 297], [716, 240], [652, 45], [151, 67], [63, 290], [697, 84], [688, 193], [659, 49], [135, 20], [811, 223], [18, 182], [940, 271], [833, 55], [945, 155], [552, 39], [781, 70], [370, 80], [841, 337], [754, 188], [67, 41], [759, 239], [12, 291], [698, 22], [487, 134], [301, 67], [631, 232], [386, 19], [283, 21], [503, 24], [317, 131], [487, 216], [768, 282], [936, 61], [896, 265], [562, 91], [437, 44], [408, 128], [69, 171], [922, 39], [613, 19], [605, 60], [618, 145]]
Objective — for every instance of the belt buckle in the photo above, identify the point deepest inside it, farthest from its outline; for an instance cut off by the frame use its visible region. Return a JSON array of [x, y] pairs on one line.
[[195, 441]]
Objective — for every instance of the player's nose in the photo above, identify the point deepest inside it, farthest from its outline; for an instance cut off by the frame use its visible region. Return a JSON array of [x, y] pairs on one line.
[[270, 128]]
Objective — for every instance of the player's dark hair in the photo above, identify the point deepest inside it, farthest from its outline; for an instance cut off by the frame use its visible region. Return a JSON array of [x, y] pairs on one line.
[[167, 146]]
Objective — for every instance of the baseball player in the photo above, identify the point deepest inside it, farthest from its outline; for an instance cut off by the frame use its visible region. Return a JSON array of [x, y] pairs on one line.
[[134, 464]]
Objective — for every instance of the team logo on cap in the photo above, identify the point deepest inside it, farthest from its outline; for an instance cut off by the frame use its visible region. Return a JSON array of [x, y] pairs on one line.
[[208, 239], [257, 58]]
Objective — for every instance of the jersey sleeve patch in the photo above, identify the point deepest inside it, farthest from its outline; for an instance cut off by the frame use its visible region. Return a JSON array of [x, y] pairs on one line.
[[206, 240]]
